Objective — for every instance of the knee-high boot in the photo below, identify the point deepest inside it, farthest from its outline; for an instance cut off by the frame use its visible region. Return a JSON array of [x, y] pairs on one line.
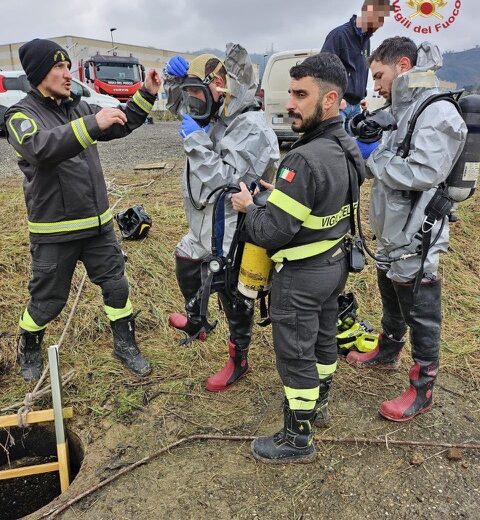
[[188, 273], [240, 316], [422, 312]]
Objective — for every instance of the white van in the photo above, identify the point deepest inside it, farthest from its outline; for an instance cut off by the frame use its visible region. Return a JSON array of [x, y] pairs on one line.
[[94, 98], [275, 85]]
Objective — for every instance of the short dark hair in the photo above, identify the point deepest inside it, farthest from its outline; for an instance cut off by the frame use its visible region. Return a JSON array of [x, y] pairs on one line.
[[378, 3], [326, 68], [211, 65], [393, 49]]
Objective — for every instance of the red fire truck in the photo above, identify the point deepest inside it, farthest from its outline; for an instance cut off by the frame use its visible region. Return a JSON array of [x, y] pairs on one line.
[[118, 76]]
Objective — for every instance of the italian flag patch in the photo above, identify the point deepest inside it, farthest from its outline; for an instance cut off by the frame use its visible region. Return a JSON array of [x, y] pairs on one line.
[[287, 174]]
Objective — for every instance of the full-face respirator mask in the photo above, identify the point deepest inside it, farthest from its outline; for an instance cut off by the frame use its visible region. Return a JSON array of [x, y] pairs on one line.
[[368, 127], [197, 98]]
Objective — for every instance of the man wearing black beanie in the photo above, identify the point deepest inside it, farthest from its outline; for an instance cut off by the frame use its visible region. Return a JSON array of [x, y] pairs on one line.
[[39, 56], [69, 219]]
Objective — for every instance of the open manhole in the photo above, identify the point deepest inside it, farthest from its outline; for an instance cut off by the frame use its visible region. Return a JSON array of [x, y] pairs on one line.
[[28, 447]]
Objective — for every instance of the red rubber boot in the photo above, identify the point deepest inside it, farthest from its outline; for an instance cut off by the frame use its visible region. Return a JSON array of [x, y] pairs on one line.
[[419, 396], [181, 322], [235, 369], [385, 357]]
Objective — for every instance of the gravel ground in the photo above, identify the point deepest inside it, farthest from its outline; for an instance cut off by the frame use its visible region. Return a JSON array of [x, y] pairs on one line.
[[149, 143]]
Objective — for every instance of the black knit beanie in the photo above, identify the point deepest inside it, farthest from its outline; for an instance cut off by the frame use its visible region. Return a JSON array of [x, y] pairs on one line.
[[39, 56]]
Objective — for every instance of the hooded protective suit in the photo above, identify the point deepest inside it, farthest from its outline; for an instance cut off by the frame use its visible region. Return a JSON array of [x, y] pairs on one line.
[[437, 143], [239, 146], [401, 190]]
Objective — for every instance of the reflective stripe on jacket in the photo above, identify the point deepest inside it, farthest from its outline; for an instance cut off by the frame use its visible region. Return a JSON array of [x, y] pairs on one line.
[[308, 212], [64, 187]]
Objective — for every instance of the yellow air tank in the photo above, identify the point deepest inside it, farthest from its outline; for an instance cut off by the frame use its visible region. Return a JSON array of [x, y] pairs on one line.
[[255, 271]]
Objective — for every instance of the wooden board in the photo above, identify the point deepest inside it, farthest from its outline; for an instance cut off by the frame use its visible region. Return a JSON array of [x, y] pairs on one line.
[[151, 166], [29, 470], [34, 417]]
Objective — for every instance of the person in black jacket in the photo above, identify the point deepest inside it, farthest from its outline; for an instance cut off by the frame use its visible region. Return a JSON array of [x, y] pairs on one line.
[[54, 135], [303, 226], [351, 43]]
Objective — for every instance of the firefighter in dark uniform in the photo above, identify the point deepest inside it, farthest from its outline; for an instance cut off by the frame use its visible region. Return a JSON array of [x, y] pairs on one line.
[[54, 136], [303, 226]]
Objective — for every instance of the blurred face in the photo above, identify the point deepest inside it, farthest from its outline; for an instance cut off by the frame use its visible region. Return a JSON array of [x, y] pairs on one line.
[[304, 105], [57, 83], [384, 75], [373, 16]]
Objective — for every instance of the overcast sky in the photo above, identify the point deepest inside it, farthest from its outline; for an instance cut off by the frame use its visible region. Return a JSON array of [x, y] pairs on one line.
[[188, 25]]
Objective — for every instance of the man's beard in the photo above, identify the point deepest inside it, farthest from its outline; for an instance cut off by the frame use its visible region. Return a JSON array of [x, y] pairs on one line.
[[311, 123]]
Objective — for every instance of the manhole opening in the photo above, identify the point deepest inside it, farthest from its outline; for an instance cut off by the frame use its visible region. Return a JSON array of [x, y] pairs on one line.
[[21, 447]]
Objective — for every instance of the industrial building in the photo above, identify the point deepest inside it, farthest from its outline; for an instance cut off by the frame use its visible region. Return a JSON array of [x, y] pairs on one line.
[[81, 48]]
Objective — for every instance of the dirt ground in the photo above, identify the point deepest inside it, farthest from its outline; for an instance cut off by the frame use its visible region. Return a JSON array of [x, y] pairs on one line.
[[220, 479]]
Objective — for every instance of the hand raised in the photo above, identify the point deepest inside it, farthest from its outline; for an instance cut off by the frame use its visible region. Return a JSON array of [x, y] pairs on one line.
[[110, 116], [153, 82]]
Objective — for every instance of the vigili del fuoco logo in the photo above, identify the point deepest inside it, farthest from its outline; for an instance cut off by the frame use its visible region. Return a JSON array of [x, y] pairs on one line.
[[426, 16]]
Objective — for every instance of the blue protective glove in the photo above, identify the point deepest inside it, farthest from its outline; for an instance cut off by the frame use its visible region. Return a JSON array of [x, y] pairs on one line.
[[177, 66], [189, 125], [367, 148]]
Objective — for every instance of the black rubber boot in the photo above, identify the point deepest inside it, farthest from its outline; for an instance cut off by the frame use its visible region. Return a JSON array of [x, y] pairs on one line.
[[393, 318], [125, 346], [418, 398], [322, 415], [293, 443], [239, 315], [189, 279], [423, 314], [29, 355]]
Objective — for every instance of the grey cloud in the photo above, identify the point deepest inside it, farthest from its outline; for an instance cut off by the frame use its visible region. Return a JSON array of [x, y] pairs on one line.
[[184, 25]]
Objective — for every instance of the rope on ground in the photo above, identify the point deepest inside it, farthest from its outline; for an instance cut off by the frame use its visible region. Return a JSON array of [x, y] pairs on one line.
[[53, 513]]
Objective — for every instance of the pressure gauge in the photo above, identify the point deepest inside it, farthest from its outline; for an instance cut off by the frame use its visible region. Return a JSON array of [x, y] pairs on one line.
[[215, 265]]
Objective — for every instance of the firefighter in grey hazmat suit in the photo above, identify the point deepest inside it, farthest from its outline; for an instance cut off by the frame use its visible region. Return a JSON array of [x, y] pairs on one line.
[[401, 190], [226, 140]]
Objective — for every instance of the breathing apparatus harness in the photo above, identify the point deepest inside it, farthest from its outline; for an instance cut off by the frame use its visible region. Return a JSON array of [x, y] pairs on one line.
[[369, 127], [221, 273]]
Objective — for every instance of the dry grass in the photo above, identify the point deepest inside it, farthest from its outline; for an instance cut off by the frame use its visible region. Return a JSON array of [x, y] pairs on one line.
[[103, 388]]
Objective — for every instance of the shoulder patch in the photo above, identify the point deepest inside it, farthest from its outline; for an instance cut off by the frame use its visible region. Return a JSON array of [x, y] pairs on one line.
[[21, 126], [287, 174]]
